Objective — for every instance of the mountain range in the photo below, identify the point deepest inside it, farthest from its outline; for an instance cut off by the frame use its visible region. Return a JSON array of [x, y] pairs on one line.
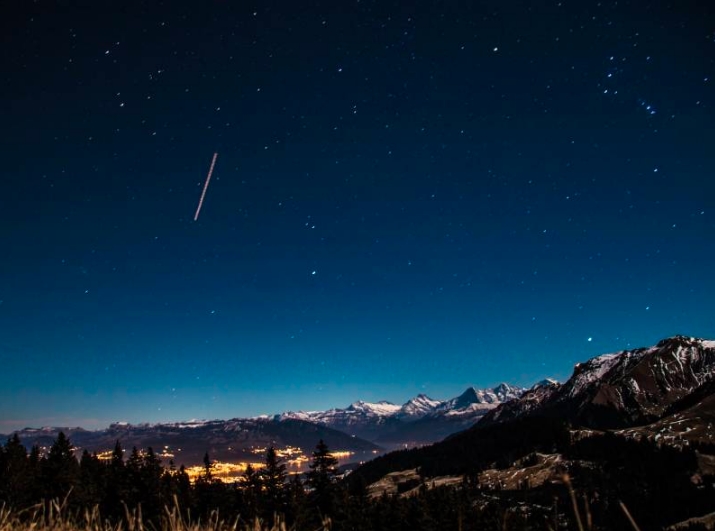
[[630, 436], [620, 390], [420, 420], [629, 432], [362, 428], [664, 393]]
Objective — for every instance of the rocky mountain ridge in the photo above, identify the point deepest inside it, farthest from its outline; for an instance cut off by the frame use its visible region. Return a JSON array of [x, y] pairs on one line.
[[627, 388], [363, 428], [418, 421], [660, 395]]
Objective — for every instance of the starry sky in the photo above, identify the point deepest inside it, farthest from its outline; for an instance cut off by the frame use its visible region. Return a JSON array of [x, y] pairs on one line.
[[406, 199]]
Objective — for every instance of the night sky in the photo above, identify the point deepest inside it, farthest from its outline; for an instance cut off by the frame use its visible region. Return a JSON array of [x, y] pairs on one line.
[[406, 199]]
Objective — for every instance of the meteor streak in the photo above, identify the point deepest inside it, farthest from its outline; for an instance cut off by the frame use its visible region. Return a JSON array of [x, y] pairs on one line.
[[206, 185]]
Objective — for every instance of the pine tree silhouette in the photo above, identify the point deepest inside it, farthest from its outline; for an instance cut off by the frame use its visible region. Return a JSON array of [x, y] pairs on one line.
[[116, 486], [61, 469], [14, 474], [274, 477], [322, 479]]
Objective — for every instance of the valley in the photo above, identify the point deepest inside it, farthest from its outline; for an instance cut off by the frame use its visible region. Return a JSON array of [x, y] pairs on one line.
[[630, 429]]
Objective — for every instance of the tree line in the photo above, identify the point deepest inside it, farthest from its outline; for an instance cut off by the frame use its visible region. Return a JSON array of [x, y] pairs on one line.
[[118, 485], [660, 486]]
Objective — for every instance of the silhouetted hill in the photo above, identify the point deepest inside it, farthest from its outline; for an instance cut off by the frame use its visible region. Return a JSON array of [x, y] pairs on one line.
[[630, 391], [224, 440], [628, 388]]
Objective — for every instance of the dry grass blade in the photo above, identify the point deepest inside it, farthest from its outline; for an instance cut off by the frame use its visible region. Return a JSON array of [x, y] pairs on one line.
[[133, 518], [628, 515], [56, 516], [5, 518], [326, 524], [589, 517], [567, 480]]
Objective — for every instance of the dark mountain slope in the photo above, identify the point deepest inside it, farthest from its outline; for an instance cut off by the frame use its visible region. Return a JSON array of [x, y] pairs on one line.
[[620, 390], [623, 390], [224, 440]]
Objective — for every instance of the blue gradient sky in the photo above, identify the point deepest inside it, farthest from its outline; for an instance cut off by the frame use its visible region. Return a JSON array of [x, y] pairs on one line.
[[406, 200]]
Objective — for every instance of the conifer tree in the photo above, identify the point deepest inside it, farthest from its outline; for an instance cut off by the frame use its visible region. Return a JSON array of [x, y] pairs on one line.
[[208, 466], [251, 492], [183, 489], [117, 485], [153, 497], [91, 480], [117, 459], [14, 469], [169, 483], [152, 470], [207, 490], [322, 479], [61, 469], [295, 512], [132, 494], [274, 478], [34, 474]]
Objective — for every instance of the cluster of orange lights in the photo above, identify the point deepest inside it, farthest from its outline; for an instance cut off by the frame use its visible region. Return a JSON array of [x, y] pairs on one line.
[[225, 472], [292, 456], [165, 453]]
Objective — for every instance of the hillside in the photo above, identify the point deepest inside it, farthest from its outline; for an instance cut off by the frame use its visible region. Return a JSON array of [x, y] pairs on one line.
[[225, 440], [633, 427]]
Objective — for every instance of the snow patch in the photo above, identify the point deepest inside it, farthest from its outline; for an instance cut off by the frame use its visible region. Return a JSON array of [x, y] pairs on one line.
[[592, 371]]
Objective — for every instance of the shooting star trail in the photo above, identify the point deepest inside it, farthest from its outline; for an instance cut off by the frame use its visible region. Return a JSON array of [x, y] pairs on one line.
[[206, 185]]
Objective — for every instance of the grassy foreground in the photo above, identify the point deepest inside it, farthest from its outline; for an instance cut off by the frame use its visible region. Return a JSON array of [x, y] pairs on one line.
[[54, 517]]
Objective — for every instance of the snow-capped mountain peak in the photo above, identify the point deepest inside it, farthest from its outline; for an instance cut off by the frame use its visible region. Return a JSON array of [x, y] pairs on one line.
[[356, 412], [590, 371], [381, 408], [484, 398], [420, 419], [623, 388], [546, 382], [418, 406], [505, 392], [466, 399]]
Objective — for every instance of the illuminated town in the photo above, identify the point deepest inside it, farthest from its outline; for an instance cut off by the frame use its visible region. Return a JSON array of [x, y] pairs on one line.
[[293, 457], [225, 472], [106, 455]]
